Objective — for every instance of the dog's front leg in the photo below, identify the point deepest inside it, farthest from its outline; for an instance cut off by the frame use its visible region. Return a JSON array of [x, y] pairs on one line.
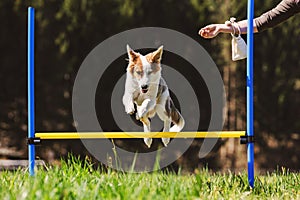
[[130, 87], [145, 107], [128, 103]]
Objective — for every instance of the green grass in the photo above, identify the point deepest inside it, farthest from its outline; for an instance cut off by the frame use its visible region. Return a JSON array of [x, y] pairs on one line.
[[74, 179]]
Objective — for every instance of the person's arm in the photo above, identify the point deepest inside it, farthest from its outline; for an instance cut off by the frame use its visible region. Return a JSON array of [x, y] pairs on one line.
[[244, 24], [212, 30], [284, 10]]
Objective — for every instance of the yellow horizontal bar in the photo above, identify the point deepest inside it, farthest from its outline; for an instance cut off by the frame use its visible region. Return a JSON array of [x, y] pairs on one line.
[[99, 135]]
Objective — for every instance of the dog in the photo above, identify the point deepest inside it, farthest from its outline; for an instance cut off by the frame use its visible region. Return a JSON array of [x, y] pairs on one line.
[[147, 91]]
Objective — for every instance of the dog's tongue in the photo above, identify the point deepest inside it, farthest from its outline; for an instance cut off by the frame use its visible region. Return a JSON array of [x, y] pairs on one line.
[[144, 91]]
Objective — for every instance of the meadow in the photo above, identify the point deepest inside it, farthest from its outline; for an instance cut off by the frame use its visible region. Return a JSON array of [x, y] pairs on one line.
[[77, 179]]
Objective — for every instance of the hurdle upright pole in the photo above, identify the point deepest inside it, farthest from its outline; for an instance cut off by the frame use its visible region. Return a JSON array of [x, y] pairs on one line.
[[31, 118], [250, 92]]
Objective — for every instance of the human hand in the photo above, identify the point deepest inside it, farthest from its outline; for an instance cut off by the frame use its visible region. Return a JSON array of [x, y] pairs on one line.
[[212, 30], [209, 31]]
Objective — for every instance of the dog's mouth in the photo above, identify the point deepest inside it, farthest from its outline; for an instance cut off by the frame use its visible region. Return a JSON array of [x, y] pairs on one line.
[[144, 90]]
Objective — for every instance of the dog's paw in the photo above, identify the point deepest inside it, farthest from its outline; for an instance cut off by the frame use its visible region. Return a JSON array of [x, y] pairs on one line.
[[148, 142], [141, 111], [165, 141], [137, 117], [129, 109]]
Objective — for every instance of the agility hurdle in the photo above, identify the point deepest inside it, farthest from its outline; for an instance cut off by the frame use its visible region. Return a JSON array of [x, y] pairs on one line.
[[103, 135], [246, 137]]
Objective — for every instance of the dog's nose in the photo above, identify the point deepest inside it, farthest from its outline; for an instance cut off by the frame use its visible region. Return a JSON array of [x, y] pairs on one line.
[[144, 87]]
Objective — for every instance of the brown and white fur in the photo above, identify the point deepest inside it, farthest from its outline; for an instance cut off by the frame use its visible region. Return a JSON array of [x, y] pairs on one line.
[[148, 90]]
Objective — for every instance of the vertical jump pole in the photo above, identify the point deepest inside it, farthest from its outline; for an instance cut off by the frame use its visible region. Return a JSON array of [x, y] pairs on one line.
[[31, 123], [250, 109]]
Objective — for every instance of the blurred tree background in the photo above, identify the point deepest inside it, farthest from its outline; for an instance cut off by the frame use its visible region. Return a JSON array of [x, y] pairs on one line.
[[67, 30]]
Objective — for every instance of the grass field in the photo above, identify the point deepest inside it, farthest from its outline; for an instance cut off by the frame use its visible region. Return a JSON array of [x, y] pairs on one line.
[[75, 179]]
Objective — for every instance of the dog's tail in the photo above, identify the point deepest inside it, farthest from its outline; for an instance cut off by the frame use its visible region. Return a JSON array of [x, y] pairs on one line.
[[176, 118]]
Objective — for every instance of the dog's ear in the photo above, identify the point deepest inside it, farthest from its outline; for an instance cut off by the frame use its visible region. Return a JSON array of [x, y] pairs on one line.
[[156, 55], [131, 54]]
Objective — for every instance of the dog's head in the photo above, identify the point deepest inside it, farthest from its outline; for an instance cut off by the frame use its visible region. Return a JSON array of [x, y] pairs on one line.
[[146, 69]]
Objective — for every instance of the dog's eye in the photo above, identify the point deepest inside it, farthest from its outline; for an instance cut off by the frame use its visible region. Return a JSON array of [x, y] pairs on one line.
[[149, 72], [139, 72]]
